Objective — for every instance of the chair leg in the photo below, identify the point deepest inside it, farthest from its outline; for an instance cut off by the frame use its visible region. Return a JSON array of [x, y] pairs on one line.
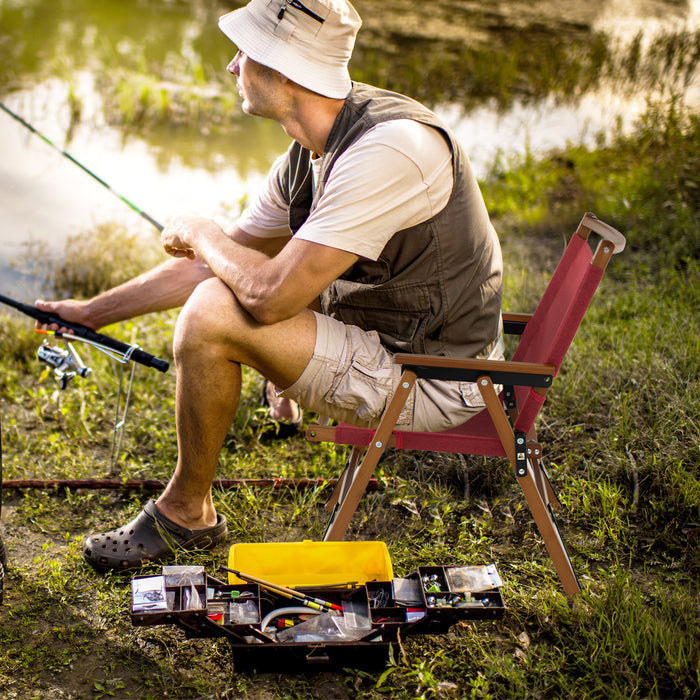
[[533, 454], [544, 485], [536, 496], [345, 508], [346, 478], [553, 499], [550, 533]]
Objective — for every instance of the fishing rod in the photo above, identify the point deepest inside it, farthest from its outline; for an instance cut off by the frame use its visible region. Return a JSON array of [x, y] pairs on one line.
[[276, 483], [110, 346], [44, 138], [66, 362]]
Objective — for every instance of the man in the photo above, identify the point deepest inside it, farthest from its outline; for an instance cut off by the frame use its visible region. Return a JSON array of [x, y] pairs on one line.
[[373, 218]]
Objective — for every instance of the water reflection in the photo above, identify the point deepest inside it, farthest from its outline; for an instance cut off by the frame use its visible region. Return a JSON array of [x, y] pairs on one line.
[[43, 196], [492, 136], [137, 91]]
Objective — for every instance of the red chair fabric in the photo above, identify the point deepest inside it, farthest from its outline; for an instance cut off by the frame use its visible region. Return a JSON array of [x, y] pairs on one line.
[[497, 430]]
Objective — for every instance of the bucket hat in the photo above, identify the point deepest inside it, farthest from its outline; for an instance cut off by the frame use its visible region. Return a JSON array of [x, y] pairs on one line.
[[309, 42]]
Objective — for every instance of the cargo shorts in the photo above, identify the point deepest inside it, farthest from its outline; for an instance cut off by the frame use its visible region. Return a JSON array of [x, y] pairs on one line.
[[352, 377]]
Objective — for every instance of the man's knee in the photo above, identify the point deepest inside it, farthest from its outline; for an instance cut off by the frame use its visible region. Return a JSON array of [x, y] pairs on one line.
[[213, 325], [209, 319]]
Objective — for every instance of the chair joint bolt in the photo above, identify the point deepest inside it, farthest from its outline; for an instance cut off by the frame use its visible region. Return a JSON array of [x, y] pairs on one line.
[[520, 454]]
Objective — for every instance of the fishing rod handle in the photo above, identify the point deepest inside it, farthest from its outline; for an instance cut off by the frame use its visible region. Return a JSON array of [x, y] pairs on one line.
[[77, 329], [130, 352], [145, 358]]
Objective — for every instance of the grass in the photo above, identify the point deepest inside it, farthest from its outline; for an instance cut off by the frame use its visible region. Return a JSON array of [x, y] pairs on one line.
[[620, 433]]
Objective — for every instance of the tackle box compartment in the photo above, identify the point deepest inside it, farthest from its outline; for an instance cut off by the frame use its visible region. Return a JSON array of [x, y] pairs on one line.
[[268, 631]]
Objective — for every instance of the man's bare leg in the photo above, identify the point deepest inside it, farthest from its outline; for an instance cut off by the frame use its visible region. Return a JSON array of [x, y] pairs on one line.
[[213, 337], [281, 409]]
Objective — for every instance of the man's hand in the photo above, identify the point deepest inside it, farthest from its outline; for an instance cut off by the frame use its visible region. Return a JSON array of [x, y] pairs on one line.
[[179, 235], [70, 310]]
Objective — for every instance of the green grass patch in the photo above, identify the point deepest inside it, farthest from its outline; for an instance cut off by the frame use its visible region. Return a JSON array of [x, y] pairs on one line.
[[620, 437], [647, 185]]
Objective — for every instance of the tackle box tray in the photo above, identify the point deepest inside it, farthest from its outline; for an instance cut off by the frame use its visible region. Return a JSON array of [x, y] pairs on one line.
[[269, 631]]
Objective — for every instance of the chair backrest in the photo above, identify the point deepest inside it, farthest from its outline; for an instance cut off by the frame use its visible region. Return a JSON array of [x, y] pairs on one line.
[[553, 326]]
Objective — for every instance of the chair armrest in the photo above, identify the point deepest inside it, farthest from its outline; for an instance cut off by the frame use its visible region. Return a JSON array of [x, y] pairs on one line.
[[591, 222], [514, 324], [469, 370]]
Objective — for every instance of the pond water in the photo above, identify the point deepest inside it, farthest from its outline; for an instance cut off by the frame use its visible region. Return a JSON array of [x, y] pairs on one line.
[[523, 76]]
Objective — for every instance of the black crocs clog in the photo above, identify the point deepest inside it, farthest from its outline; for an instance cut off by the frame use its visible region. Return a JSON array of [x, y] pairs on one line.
[[149, 537]]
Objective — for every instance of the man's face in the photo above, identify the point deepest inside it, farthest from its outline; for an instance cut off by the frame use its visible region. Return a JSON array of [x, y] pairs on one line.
[[258, 85]]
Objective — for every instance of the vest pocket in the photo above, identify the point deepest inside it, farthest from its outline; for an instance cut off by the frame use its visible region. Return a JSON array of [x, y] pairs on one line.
[[399, 313]]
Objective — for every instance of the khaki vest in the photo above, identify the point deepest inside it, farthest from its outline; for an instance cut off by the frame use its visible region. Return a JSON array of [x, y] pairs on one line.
[[436, 287]]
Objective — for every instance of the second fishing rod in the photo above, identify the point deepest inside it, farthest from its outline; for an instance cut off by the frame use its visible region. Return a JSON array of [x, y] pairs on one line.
[[84, 168], [76, 329]]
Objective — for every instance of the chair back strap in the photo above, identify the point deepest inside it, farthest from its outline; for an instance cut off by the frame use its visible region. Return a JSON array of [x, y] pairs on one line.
[[555, 322]]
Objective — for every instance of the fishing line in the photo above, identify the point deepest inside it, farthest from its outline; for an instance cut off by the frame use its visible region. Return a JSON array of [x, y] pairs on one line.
[[44, 138]]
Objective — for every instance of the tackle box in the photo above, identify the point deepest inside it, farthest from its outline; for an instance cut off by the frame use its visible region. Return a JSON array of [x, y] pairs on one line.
[[362, 609]]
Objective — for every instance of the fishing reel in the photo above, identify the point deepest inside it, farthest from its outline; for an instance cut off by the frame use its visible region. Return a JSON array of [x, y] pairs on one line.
[[66, 362]]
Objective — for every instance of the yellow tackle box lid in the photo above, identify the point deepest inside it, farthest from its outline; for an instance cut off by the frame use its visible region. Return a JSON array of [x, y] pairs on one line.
[[310, 563]]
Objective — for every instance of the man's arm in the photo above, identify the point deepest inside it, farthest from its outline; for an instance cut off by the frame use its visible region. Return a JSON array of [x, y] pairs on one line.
[[270, 287], [164, 287]]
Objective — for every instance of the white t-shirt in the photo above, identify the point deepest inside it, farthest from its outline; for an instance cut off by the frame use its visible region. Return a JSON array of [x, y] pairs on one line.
[[396, 175]]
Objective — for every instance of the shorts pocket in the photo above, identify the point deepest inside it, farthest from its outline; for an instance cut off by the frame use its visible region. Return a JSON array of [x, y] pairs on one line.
[[471, 395], [362, 392]]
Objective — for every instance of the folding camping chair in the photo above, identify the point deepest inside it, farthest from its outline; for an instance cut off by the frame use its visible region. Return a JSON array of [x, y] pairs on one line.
[[505, 427]]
